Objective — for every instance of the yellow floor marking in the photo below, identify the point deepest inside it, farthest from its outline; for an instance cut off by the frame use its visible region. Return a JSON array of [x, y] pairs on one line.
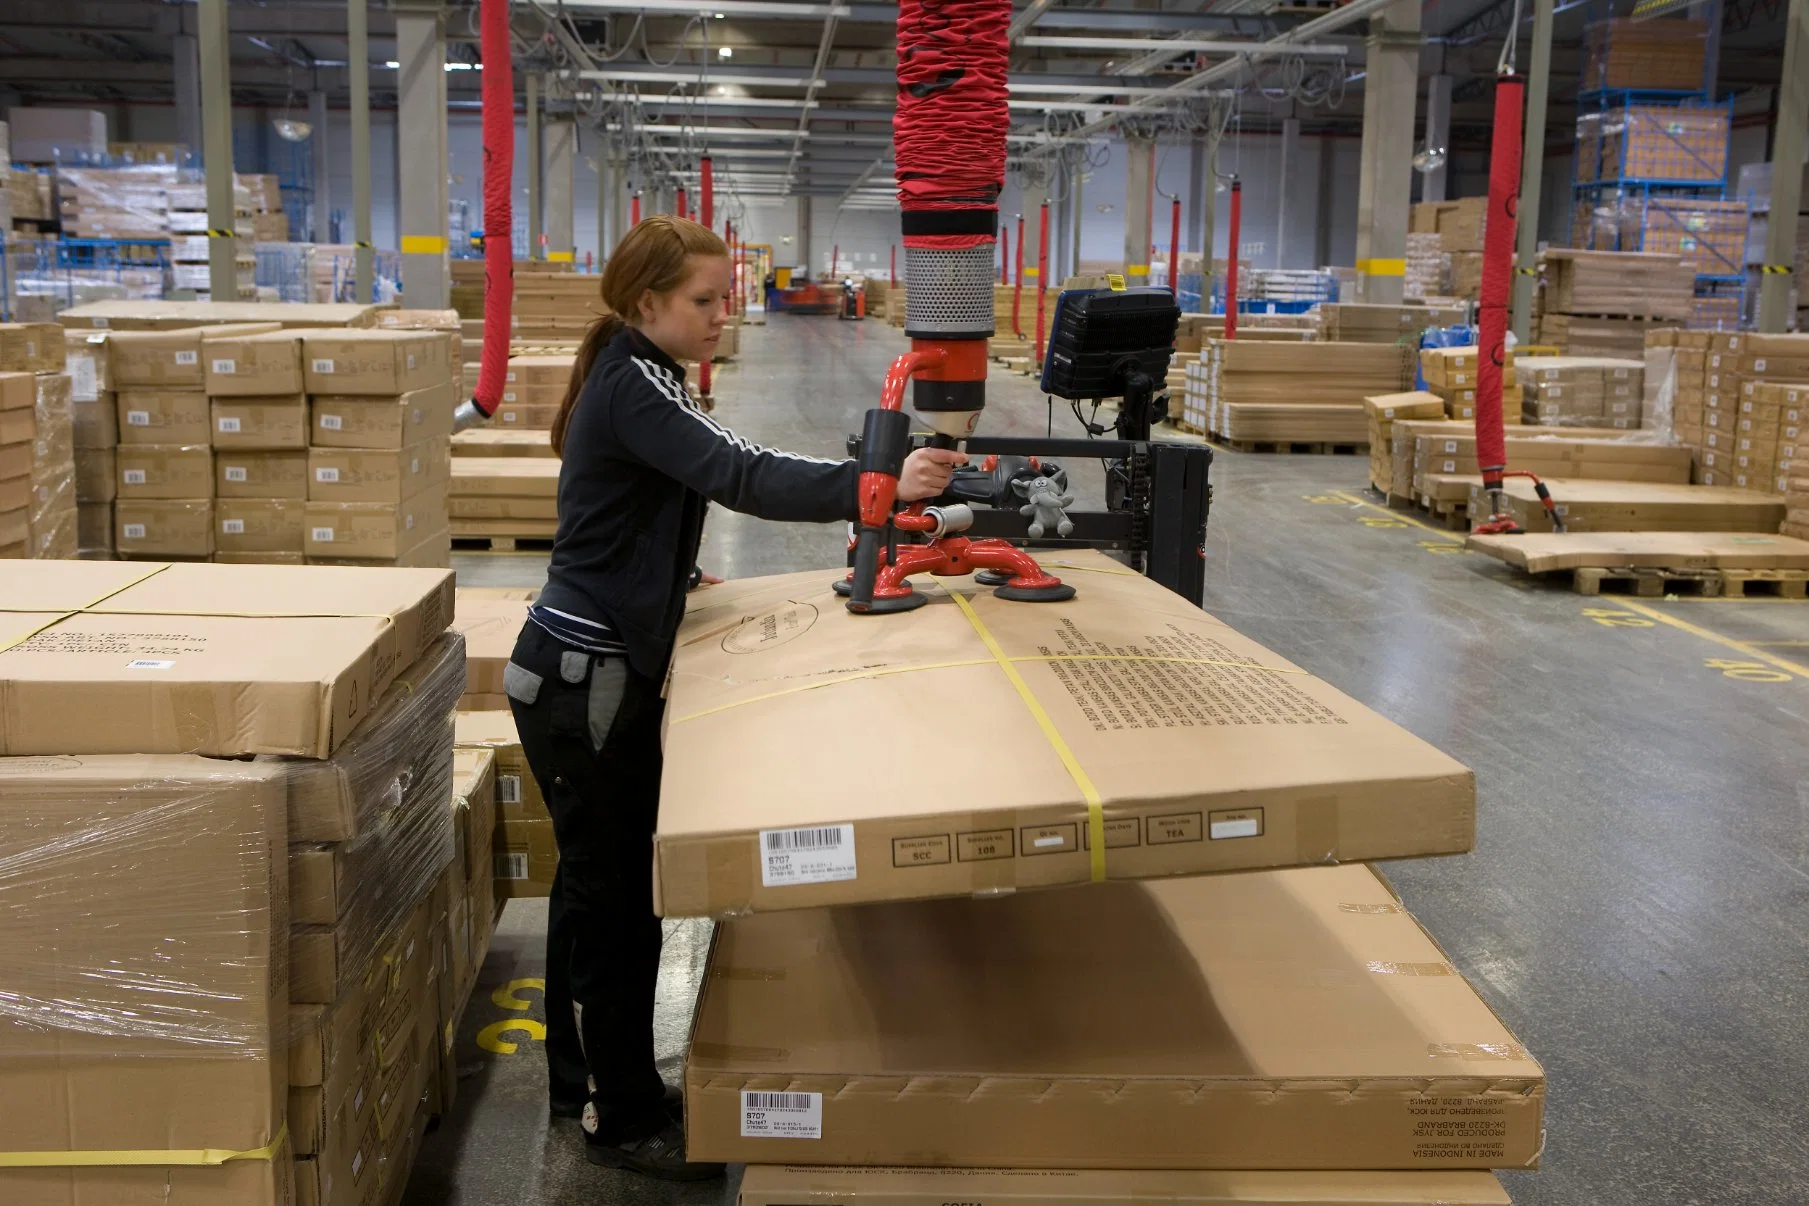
[[1400, 515], [1697, 630]]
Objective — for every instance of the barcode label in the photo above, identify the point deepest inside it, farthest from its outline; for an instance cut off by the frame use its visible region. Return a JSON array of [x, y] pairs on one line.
[[236, 473], [322, 366], [133, 531], [138, 418], [781, 1115], [322, 535], [232, 527], [511, 866], [331, 422], [326, 473], [188, 358], [132, 477], [411, 360], [148, 663], [508, 789], [229, 425], [815, 854], [226, 367]]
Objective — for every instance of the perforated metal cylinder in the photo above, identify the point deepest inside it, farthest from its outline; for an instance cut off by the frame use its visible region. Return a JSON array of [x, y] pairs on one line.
[[948, 294]]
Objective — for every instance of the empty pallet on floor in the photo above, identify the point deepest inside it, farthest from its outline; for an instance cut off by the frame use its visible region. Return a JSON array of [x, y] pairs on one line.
[[1611, 506]]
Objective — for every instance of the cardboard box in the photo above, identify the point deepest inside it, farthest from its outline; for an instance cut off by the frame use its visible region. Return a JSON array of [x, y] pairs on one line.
[[94, 528], [518, 795], [1208, 752], [258, 525], [526, 418], [347, 422], [172, 315], [527, 855], [96, 476], [242, 473], [378, 475], [95, 422], [18, 391], [1291, 1019], [255, 365], [299, 650], [17, 428], [374, 530], [144, 972], [162, 416], [165, 471], [773, 1185], [170, 359], [31, 347], [262, 423], [378, 362], [490, 627], [88, 363], [168, 527]]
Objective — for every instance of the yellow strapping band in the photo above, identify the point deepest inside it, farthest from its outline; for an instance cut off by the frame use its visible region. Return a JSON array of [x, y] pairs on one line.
[[1089, 793], [206, 1157], [65, 614]]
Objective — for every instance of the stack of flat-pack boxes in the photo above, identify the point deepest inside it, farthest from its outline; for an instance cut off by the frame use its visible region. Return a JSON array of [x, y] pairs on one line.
[[1602, 303], [553, 304], [47, 430], [227, 961], [1451, 373], [1307, 392], [164, 501], [189, 241], [1742, 424], [258, 425], [1048, 990], [380, 447], [533, 388], [96, 414], [1360, 322], [1583, 391], [1793, 454], [505, 497], [1384, 411], [1676, 364], [1456, 251]]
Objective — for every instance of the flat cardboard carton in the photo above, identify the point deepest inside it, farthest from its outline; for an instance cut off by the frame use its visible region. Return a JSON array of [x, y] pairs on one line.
[[162, 416], [145, 981], [165, 471], [18, 391], [350, 422], [31, 347], [163, 527], [170, 359], [378, 362], [539, 370], [258, 525], [777, 1185], [255, 365], [1295, 1019], [1207, 751], [96, 476], [527, 854], [375, 530], [96, 422], [506, 477], [248, 473], [15, 459], [378, 475], [224, 660], [263, 422], [518, 795], [490, 627], [17, 427], [168, 315]]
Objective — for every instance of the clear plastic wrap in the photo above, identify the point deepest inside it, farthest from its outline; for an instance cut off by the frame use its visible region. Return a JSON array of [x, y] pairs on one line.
[[129, 202], [52, 516]]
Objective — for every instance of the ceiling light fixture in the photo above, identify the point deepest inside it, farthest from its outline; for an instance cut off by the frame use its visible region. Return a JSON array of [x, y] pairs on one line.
[[723, 52]]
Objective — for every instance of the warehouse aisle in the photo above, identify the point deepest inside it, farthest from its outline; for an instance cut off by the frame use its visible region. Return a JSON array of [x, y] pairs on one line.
[[1635, 906]]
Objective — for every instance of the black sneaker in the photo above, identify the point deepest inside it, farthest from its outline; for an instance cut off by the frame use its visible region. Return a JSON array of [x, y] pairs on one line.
[[661, 1156]]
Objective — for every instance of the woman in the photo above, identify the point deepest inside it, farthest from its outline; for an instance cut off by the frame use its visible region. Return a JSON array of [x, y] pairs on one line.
[[641, 464]]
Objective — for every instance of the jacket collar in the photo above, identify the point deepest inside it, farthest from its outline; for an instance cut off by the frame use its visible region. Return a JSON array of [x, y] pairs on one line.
[[630, 342]]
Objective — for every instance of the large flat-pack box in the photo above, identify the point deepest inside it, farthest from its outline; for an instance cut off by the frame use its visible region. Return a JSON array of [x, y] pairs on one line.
[[375, 530], [802, 1185], [173, 359], [1126, 712], [31, 347], [490, 627], [255, 365], [262, 422], [173, 315], [145, 980], [224, 660], [261, 473], [380, 362], [394, 422], [378, 475], [1295, 1019]]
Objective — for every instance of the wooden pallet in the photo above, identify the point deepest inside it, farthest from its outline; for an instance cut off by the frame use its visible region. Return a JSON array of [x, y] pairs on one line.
[[1295, 447], [1650, 583], [1455, 516]]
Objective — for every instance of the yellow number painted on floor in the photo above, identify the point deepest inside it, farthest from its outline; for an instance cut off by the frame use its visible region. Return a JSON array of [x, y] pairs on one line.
[[1324, 498], [1609, 618], [1380, 521], [1441, 546], [1747, 672], [491, 1039], [505, 997]]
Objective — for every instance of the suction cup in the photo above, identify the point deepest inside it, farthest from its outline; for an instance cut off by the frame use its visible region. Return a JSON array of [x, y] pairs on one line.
[[992, 577], [1056, 593], [884, 606], [842, 587]]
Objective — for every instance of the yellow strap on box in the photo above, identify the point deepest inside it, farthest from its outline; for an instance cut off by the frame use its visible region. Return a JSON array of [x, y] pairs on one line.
[[423, 244], [1382, 267], [1088, 792], [203, 1157], [65, 613]]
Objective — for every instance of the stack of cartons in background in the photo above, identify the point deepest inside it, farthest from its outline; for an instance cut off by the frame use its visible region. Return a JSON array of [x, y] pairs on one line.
[[434, 320], [115, 203], [1383, 411], [895, 950], [258, 427], [1445, 468], [188, 216], [1741, 419], [1428, 265], [96, 413], [1630, 53], [525, 852], [533, 388], [1583, 391], [175, 315], [1002, 298], [1675, 364], [1602, 303], [1306, 392], [1793, 456], [18, 431], [231, 940], [164, 504], [1456, 249], [1359, 322], [268, 222], [49, 513], [504, 498], [553, 304], [382, 502], [1451, 373]]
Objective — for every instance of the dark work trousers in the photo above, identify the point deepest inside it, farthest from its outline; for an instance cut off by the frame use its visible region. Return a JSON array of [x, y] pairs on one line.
[[590, 728]]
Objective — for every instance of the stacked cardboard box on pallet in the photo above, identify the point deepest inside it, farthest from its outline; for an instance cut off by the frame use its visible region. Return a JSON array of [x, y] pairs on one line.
[[1358, 322], [18, 431], [533, 388], [1383, 411], [503, 497], [1179, 995], [1584, 391], [1307, 392], [96, 414], [240, 954], [1428, 266], [1742, 420], [1602, 303], [1630, 53], [37, 482], [1452, 374], [1454, 255], [1793, 456]]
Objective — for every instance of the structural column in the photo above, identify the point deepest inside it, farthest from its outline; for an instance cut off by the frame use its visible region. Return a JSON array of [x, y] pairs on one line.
[[605, 198], [1035, 193], [1077, 199], [534, 195], [803, 256], [1206, 184], [1532, 171], [560, 181], [321, 202], [1139, 193], [1287, 185], [1438, 134], [619, 224], [1787, 144], [187, 54], [1385, 188], [358, 69], [216, 139], [421, 153]]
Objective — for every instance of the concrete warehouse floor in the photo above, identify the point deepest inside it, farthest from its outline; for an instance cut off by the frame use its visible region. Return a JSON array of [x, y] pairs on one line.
[[1637, 902]]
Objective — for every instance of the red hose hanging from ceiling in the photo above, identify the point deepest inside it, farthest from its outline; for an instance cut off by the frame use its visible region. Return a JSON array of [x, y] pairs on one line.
[[499, 218], [948, 133], [1497, 279]]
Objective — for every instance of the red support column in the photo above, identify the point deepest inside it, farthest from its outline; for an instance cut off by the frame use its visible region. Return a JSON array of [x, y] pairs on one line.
[[1237, 221], [707, 209], [1004, 256], [681, 202], [1042, 272], [895, 264], [1017, 284], [634, 211], [835, 253], [1174, 250]]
